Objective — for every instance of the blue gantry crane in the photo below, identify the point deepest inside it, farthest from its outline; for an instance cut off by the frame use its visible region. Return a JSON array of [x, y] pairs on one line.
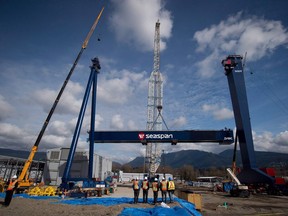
[[234, 71], [223, 136]]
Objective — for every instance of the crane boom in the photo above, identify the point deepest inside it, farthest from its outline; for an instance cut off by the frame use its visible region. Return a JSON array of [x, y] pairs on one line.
[[23, 177]]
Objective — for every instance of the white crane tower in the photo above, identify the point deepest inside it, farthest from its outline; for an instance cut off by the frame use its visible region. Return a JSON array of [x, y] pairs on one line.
[[154, 107]]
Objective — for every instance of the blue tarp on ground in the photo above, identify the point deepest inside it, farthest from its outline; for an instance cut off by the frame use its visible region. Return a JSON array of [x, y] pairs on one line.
[[106, 201], [157, 211], [187, 207]]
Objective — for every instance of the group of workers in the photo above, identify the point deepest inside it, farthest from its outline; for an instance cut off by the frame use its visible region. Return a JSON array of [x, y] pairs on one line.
[[164, 186]]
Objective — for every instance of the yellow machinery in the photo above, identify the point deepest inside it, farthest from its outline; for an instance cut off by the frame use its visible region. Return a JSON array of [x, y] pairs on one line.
[[2, 186], [43, 191]]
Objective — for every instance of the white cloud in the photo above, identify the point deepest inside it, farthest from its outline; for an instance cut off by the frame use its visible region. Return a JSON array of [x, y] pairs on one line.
[[178, 122], [6, 110], [13, 137], [119, 86], [68, 103], [236, 35], [117, 122], [218, 112], [134, 22], [132, 125], [282, 139], [268, 142], [59, 128], [10, 131]]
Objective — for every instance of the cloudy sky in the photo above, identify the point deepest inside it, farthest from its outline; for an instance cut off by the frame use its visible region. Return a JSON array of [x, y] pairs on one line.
[[39, 41]]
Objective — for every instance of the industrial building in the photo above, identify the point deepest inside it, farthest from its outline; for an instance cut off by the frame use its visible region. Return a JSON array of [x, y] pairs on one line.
[[128, 177], [10, 166], [57, 159]]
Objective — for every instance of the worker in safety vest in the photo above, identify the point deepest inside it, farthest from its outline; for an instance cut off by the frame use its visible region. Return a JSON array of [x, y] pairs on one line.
[[136, 188], [163, 188], [145, 188], [171, 189], [12, 186], [155, 189]]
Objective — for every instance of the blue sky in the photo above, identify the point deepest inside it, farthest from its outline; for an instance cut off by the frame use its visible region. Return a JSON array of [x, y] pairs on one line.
[[39, 41]]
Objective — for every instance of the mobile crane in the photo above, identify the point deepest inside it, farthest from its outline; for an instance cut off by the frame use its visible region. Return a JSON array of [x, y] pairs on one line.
[[23, 179]]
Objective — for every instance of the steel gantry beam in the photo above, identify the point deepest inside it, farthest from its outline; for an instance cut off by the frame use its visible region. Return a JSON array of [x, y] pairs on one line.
[[216, 136]]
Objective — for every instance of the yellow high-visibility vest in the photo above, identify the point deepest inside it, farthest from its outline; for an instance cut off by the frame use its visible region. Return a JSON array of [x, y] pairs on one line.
[[171, 185], [145, 185], [136, 185]]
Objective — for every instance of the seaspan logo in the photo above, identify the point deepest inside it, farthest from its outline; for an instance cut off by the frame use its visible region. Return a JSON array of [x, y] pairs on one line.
[[143, 136], [228, 138]]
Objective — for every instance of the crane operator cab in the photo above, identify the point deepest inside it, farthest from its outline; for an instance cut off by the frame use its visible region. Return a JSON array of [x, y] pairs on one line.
[[95, 63], [231, 62]]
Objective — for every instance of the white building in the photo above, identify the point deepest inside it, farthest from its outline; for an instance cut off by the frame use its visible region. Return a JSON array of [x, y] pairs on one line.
[[56, 163], [128, 177]]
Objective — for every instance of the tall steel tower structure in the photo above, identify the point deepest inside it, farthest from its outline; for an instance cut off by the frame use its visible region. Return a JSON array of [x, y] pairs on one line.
[[154, 107]]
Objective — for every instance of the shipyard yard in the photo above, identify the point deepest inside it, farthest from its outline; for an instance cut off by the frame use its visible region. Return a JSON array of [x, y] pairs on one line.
[[213, 203]]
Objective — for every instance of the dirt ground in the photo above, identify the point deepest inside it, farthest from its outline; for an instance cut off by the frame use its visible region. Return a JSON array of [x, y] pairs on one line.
[[212, 204]]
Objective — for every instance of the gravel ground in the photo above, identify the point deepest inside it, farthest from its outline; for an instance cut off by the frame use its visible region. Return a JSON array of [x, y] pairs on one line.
[[212, 204]]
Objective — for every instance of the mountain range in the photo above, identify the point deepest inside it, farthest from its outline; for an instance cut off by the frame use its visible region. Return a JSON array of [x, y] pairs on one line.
[[201, 159], [195, 158], [22, 154]]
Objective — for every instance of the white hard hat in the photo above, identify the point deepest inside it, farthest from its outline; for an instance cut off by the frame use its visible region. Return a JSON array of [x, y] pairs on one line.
[[14, 177], [163, 178], [136, 178], [155, 179], [145, 177]]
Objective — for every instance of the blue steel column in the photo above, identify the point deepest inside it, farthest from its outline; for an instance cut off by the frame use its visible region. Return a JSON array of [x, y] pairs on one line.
[[241, 113], [235, 75], [78, 128], [95, 70]]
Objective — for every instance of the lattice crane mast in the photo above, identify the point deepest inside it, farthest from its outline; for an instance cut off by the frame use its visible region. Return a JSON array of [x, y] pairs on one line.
[[154, 107]]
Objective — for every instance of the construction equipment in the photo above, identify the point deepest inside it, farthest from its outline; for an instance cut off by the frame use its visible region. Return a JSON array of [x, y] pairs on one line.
[[2, 185], [92, 84], [221, 136], [238, 190], [250, 174], [154, 106], [23, 178], [43, 191]]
